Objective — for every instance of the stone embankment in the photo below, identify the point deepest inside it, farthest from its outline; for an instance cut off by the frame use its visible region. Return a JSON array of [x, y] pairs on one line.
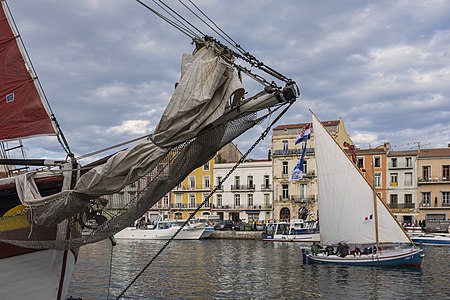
[[236, 235]]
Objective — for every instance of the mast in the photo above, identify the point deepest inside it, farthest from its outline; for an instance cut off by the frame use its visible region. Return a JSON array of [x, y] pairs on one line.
[[375, 209]]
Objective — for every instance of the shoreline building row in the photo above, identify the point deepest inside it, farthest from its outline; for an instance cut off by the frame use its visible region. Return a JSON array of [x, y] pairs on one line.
[[414, 184]]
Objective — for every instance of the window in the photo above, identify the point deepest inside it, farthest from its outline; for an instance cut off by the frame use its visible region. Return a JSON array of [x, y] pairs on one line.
[[394, 179], [394, 162], [253, 217], [237, 200], [409, 201], [266, 200], [206, 182], [377, 180], [206, 205], [360, 162], [178, 200], [250, 200], [191, 201], [267, 181], [192, 182], [250, 182], [377, 162], [426, 199], [446, 172], [166, 201], [219, 180], [394, 199], [206, 166], [445, 196], [285, 145], [303, 190], [285, 191], [408, 162], [426, 173], [285, 168], [305, 165], [408, 179], [219, 200], [237, 182]]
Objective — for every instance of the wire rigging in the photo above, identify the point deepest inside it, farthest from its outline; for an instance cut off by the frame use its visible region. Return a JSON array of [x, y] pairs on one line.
[[219, 184]]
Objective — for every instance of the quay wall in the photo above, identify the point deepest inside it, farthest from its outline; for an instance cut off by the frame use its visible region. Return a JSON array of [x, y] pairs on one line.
[[236, 235]]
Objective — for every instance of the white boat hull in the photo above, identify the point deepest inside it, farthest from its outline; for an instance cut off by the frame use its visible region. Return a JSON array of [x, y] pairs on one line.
[[160, 234], [431, 239], [314, 237], [42, 274]]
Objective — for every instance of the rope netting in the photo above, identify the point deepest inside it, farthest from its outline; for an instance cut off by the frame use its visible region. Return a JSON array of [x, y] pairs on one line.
[[102, 217]]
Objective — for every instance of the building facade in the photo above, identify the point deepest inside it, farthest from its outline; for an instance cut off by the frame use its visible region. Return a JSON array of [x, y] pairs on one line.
[[247, 194], [298, 199], [434, 185], [401, 182]]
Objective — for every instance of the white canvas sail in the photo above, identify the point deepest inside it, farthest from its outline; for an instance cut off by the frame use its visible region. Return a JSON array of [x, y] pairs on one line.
[[345, 199]]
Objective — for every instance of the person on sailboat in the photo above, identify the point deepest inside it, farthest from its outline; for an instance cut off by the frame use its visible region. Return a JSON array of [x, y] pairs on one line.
[[342, 250], [315, 248], [329, 250]]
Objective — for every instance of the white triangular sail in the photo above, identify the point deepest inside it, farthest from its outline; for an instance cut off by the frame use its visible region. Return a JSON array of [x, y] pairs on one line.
[[345, 199]]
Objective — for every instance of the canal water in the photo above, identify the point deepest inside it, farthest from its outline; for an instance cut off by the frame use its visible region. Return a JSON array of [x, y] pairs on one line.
[[247, 269]]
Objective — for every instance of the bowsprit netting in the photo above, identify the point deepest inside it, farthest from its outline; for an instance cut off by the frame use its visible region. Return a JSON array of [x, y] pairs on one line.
[[104, 216]]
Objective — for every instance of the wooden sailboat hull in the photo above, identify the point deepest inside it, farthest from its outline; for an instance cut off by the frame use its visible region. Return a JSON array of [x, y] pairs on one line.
[[411, 258]]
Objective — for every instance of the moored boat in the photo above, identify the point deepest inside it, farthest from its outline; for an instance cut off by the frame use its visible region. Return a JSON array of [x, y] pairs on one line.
[[434, 239], [162, 230], [296, 230]]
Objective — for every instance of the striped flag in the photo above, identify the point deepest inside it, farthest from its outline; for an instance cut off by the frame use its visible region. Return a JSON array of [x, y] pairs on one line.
[[304, 135], [297, 173]]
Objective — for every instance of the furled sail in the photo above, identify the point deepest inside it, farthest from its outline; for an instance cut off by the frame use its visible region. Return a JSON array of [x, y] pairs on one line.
[[345, 199], [22, 110]]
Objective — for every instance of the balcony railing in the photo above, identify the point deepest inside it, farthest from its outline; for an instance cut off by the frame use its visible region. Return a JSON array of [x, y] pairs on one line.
[[243, 187], [434, 179], [292, 151], [266, 187], [243, 207], [399, 166], [401, 205], [298, 199]]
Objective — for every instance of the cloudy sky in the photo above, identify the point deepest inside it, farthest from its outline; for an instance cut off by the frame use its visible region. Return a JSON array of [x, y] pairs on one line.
[[108, 67]]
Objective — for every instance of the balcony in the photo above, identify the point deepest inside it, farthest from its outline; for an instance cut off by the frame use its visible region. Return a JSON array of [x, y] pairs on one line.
[[431, 180], [402, 205], [399, 166], [298, 199], [266, 187], [287, 152], [425, 204], [242, 187], [242, 207]]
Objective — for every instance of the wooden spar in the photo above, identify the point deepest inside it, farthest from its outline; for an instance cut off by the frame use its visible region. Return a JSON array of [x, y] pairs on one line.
[[375, 209]]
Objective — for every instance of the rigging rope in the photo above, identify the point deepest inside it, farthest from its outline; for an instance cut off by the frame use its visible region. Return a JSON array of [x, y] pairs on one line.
[[219, 184]]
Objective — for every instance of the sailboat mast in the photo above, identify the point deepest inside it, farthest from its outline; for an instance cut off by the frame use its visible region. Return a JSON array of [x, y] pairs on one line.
[[375, 209]]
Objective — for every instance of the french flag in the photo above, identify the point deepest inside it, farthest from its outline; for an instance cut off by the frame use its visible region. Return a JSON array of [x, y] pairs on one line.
[[304, 135]]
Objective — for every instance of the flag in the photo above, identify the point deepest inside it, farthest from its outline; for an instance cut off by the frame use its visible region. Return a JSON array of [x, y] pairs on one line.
[[304, 135], [368, 217], [351, 149], [297, 173]]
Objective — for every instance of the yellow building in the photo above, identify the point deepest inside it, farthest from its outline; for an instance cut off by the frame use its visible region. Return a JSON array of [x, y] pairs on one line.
[[187, 196]]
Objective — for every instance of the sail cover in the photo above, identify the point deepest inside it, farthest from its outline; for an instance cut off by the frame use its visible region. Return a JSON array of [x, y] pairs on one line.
[[22, 112], [345, 199]]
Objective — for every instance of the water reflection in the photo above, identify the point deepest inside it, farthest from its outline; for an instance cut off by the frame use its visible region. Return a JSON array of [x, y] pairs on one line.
[[222, 269]]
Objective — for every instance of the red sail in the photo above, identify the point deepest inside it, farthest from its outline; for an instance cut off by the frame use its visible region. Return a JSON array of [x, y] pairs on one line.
[[22, 112]]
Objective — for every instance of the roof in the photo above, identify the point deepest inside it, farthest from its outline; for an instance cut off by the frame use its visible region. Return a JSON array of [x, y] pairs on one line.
[[437, 152], [403, 153], [302, 125]]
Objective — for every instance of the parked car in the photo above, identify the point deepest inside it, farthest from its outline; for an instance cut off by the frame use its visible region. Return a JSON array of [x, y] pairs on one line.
[[224, 225], [239, 226]]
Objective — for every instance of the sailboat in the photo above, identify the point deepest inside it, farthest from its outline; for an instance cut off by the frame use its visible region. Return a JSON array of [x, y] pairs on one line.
[[46, 206], [352, 214]]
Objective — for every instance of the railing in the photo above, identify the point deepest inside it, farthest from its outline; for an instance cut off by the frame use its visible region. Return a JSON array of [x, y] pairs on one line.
[[399, 166], [434, 179], [292, 151], [298, 199], [425, 204], [266, 187], [401, 205], [243, 207], [243, 187]]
